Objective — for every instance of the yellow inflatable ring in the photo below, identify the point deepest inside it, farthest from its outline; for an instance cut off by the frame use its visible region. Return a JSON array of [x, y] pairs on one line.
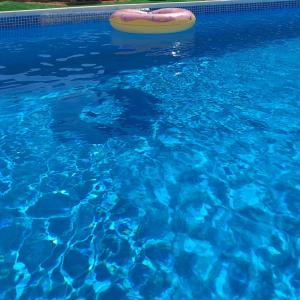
[[165, 20]]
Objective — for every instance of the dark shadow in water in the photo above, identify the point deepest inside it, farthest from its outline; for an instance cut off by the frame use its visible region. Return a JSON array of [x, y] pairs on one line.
[[138, 114]]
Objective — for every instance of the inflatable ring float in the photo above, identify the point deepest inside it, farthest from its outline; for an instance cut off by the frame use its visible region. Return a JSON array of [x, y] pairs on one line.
[[165, 20]]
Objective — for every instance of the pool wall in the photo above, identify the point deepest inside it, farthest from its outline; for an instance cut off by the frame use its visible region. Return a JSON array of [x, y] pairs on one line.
[[44, 17]]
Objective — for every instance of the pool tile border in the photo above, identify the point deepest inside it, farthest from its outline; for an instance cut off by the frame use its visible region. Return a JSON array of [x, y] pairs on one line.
[[45, 17]]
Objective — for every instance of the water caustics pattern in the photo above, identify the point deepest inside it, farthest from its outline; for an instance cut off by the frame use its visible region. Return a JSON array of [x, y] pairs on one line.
[[151, 167]]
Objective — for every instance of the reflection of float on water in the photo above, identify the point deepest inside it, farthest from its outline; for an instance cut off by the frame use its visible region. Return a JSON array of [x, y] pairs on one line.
[[177, 44]]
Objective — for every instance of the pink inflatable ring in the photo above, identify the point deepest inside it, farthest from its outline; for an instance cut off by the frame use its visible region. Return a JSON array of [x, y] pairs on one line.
[[165, 20]]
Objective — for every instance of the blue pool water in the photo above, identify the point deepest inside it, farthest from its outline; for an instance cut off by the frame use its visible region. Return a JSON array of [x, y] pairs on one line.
[[161, 167]]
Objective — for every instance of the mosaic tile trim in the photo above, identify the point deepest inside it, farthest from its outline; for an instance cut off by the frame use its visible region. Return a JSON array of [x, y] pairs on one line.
[[76, 16]]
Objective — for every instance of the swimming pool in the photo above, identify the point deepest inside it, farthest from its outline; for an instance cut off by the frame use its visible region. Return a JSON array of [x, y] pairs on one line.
[[161, 167]]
